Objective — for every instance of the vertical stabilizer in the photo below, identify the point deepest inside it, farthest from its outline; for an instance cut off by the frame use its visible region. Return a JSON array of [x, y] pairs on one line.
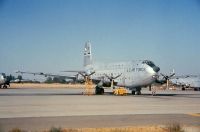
[[87, 54]]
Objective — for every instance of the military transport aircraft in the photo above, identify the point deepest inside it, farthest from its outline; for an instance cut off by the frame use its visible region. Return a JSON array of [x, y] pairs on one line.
[[132, 75], [188, 81]]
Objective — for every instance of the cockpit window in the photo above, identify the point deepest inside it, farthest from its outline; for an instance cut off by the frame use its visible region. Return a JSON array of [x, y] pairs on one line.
[[3, 74], [150, 63]]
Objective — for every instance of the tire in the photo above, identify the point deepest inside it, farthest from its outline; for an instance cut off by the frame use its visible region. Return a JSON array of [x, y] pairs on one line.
[[99, 90], [4, 86], [138, 92], [196, 89], [102, 91]]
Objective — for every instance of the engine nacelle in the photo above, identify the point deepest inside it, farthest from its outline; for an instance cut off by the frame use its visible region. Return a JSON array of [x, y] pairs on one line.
[[108, 83]]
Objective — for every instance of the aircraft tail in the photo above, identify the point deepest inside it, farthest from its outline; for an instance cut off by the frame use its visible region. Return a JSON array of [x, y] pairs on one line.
[[87, 54]]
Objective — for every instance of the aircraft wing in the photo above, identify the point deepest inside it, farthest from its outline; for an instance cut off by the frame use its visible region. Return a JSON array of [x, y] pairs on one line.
[[75, 77], [185, 76], [47, 74], [73, 71]]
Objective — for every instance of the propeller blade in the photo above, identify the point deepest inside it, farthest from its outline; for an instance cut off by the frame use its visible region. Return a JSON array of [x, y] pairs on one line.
[[91, 73], [81, 74], [117, 76], [171, 75], [110, 78], [162, 74]]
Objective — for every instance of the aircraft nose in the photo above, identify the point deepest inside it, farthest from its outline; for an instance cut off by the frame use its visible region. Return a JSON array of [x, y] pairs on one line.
[[156, 68]]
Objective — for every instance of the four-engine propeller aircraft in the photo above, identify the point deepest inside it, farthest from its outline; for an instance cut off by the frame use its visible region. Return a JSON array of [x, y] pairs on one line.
[[189, 81], [132, 75]]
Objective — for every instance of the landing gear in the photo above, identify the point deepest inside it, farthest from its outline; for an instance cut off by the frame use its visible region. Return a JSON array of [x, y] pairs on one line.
[[150, 88], [136, 91], [99, 90], [183, 88], [5, 86], [133, 92], [196, 89]]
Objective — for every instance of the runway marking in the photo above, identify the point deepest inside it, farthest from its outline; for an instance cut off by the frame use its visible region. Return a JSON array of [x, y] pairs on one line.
[[194, 114]]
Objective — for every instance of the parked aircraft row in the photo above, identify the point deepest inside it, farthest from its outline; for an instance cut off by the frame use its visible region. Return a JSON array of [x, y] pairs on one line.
[[6, 80], [189, 81], [133, 75]]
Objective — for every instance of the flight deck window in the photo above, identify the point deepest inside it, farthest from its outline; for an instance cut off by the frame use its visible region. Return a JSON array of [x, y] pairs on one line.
[[150, 63]]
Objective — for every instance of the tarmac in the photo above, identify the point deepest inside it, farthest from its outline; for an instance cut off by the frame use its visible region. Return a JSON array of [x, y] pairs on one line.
[[41, 108]]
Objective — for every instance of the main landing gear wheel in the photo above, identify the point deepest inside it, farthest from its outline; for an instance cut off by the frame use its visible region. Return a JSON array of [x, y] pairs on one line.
[[4, 86], [99, 90], [133, 92], [138, 92]]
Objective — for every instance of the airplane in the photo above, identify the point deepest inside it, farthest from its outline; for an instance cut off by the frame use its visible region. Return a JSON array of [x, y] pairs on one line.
[[4, 82], [189, 81], [132, 75]]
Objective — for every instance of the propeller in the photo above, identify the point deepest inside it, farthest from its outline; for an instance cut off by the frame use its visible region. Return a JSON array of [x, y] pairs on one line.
[[167, 77], [84, 74], [112, 78], [88, 81]]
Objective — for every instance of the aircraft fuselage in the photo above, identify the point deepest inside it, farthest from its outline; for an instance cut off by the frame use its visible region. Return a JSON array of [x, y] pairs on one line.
[[132, 73]]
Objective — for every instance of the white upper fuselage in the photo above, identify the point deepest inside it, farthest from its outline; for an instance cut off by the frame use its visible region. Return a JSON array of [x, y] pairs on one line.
[[133, 73]]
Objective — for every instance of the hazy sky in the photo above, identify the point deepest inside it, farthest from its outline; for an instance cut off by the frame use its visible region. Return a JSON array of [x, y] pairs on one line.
[[49, 35]]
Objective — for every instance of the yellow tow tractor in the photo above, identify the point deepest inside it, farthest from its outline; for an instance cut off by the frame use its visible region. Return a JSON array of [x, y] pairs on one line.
[[120, 91]]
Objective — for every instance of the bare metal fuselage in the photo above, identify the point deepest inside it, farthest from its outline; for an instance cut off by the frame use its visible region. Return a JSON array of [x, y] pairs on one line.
[[132, 73]]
